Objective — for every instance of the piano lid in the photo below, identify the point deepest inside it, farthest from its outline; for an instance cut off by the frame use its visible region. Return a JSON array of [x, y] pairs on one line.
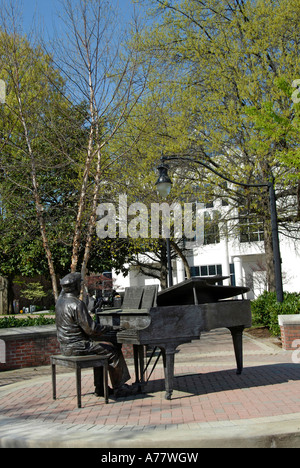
[[122, 312], [211, 279], [197, 291]]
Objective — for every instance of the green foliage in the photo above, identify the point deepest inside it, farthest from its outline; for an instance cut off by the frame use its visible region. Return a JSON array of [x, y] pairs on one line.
[[261, 308], [54, 128], [14, 322], [265, 309], [51, 153], [34, 292], [221, 92]]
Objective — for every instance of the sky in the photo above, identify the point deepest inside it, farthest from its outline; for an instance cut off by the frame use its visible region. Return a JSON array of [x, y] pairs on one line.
[[46, 13], [41, 21]]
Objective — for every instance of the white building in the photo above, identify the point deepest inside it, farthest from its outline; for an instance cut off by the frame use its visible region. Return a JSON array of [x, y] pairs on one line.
[[238, 255]]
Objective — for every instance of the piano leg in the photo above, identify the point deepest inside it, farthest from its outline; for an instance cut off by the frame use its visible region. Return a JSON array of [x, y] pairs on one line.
[[138, 351], [237, 338], [168, 354]]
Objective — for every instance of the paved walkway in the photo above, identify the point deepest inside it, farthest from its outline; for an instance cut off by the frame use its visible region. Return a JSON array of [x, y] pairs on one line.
[[211, 405]]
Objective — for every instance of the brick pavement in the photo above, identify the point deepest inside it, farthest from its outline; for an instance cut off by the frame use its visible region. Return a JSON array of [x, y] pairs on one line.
[[207, 392]]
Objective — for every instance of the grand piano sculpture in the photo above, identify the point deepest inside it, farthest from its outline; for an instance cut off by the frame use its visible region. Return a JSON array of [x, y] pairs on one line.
[[175, 316]]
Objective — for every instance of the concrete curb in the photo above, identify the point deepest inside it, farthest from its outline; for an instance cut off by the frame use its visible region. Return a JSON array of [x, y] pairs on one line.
[[276, 432]]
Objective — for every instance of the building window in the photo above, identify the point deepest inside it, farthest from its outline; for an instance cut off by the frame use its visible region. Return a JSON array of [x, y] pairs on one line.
[[211, 227], [207, 270], [195, 271], [251, 229], [232, 274]]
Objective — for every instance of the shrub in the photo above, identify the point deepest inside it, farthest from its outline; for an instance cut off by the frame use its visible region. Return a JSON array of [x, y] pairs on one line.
[[34, 292], [265, 309], [14, 322], [261, 308]]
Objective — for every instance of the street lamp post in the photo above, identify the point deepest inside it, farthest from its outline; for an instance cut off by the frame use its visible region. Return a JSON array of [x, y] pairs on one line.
[[164, 184], [276, 246]]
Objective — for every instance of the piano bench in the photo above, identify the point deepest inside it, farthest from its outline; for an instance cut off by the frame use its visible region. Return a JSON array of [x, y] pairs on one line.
[[78, 363]]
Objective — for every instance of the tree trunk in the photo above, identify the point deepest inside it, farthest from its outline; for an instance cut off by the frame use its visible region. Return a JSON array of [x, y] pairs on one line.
[[183, 258], [92, 221], [81, 205], [38, 205], [164, 266], [268, 243]]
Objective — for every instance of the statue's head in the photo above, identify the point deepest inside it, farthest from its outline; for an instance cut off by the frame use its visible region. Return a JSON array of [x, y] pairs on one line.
[[71, 283]]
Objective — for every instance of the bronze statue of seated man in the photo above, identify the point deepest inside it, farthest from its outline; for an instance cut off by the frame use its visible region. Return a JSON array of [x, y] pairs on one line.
[[79, 335]]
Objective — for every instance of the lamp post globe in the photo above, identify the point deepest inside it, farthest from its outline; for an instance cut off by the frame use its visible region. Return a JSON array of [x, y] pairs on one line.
[[164, 183]]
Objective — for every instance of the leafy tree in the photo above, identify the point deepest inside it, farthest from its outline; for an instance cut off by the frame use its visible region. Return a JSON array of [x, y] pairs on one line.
[[214, 62], [100, 70], [34, 292], [37, 178], [28, 98], [54, 158]]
